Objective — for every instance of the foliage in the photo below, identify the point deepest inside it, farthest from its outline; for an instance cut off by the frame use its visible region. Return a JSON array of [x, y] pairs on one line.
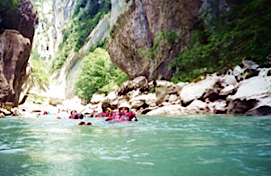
[[86, 16], [98, 74], [169, 36], [9, 4], [244, 31], [40, 77]]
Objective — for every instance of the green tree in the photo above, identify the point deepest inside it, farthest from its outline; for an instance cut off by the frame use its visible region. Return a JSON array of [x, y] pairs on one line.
[[98, 73]]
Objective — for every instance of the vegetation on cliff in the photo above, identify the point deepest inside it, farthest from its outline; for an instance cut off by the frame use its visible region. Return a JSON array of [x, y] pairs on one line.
[[7, 8], [98, 73], [224, 40], [86, 16], [40, 77]]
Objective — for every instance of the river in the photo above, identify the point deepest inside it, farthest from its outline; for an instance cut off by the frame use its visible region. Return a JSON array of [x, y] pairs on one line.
[[153, 146]]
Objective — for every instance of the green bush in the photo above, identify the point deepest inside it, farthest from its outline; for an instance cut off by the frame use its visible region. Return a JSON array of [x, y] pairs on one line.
[[244, 31], [98, 74]]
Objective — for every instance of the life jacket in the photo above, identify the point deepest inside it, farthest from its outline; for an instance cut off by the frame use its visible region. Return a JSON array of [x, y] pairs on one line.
[[102, 114], [122, 117]]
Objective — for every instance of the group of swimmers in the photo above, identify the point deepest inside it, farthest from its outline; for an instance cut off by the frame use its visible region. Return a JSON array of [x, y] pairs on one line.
[[124, 114]]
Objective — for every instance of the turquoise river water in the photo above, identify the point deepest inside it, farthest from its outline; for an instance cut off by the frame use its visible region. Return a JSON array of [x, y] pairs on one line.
[[153, 146]]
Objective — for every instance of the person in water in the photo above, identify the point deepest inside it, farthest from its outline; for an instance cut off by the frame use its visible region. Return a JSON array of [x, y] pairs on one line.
[[124, 114], [106, 113], [75, 115], [84, 123]]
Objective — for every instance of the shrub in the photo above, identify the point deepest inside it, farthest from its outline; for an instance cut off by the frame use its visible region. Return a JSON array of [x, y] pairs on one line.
[[98, 74]]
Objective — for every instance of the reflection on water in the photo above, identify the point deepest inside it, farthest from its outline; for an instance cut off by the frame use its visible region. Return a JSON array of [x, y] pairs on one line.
[[153, 146]]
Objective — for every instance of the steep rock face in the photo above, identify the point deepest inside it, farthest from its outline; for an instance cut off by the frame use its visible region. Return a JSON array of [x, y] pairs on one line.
[[62, 12], [149, 34], [45, 35], [22, 20], [15, 51], [17, 27], [73, 64]]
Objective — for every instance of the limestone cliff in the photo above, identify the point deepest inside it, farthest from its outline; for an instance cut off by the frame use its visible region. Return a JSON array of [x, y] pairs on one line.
[[17, 26], [73, 64], [150, 34]]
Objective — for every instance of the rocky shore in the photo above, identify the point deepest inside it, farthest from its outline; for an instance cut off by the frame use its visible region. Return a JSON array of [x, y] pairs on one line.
[[242, 90]]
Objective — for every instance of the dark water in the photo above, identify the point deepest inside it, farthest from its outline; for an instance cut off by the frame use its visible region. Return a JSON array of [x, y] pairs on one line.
[[154, 146]]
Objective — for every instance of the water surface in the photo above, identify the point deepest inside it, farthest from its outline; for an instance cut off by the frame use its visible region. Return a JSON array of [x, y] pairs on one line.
[[154, 146]]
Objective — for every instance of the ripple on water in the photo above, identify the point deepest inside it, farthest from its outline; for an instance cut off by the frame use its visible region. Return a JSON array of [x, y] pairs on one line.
[[145, 163], [12, 151], [115, 158]]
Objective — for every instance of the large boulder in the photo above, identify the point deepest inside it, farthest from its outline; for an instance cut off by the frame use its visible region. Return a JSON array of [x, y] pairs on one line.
[[144, 101], [14, 53], [164, 88], [262, 108], [196, 90], [197, 107], [252, 94], [16, 35], [167, 110], [97, 98], [138, 83], [149, 34]]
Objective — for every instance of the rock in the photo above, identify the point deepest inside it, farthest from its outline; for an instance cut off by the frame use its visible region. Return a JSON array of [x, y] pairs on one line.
[[229, 90], [5, 111], [73, 104], [97, 98], [137, 104], [55, 101], [253, 87], [197, 107], [240, 107], [173, 98], [196, 90], [262, 108], [218, 107], [14, 53], [26, 85], [164, 88], [167, 110], [138, 83], [112, 96], [22, 19], [180, 85], [250, 93], [139, 101], [228, 79], [62, 12], [138, 29]]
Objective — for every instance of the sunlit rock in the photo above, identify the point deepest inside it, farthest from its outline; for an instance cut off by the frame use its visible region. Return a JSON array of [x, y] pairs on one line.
[[164, 88], [196, 90], [97, 98], [168, 110], [250, 93], [146, 99], [197, 107], [138, 83]]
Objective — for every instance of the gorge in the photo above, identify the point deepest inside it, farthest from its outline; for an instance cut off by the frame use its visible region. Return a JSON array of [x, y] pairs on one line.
[[155, 39]]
